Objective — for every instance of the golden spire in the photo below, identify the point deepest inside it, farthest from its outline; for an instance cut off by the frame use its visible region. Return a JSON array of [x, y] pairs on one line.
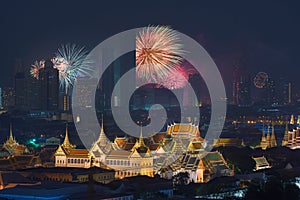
[[292, 121], [263, 143], [141, 140], [102, 137], [298, 120], [102, 124], [10, 132], [66, 143], [273, 139], [286, 132]]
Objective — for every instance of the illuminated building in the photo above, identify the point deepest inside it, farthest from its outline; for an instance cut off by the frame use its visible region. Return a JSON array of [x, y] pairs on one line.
[[136, 161], [270, 92], [200, 169], [268, 141], [228, 142], [261, 163], [102, 147], [292, 121], [244, 96], [12, 147], [8, 97], [49, 87], [67, 156], [236, 86], [285, 91], [285, 136], [293, 137]]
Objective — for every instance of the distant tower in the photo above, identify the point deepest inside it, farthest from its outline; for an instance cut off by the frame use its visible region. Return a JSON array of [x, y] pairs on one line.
[[287, 93], [298, 120], [270, 92], [263, 143], [286, 135], [244, 93], [49, 87], [273, 139], [236, 85], [292, 121], [268, 137]]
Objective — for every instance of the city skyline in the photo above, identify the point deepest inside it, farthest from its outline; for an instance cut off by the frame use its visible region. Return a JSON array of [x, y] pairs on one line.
[[234, 37], [154, 99]]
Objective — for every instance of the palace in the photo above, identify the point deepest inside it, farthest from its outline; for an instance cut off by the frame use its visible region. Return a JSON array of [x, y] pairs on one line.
[[137, 160], [67, 156], [292, 138], [179, 149]]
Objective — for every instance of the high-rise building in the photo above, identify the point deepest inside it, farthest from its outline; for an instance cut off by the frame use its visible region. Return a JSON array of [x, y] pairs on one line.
[[199, 88], [8, 97], [33, 94], [287, 93], [49, 87], [244, 96], [112, 75], [236, 85], [270, 92], [20, 90]]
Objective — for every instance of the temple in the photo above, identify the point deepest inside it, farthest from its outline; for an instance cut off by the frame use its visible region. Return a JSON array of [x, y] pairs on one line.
[[268, 140], [292, 140], [261, 163], [179, 149], [11, 147], [68, 156]]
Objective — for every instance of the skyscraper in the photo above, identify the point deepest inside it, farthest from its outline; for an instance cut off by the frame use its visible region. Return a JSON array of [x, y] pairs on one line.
[[270, 92], [236, 85], [8, 97], [287, 93], [49, 87], [20, 90], [244, 95]]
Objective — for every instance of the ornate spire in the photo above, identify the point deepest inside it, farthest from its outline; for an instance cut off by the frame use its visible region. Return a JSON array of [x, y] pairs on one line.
[[11, 141], [298, 120], [273, 139], [269, 136], [292, 121], [141, 140], [263, 143], [286, 134], [102, 137], [66, 144], [10, 133]]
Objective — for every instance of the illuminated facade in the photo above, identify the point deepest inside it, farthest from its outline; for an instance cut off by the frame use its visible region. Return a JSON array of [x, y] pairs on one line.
[[67, 156], [292, 138], [261, 163], [136, 161], [268, 141]]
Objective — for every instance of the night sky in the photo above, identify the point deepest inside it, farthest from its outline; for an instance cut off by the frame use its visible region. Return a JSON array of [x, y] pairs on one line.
[[262, 36]]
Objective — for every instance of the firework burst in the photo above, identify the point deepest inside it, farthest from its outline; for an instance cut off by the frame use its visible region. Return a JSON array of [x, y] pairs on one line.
[[35, 68], [70, 61], [158, 49], [176, 78]]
